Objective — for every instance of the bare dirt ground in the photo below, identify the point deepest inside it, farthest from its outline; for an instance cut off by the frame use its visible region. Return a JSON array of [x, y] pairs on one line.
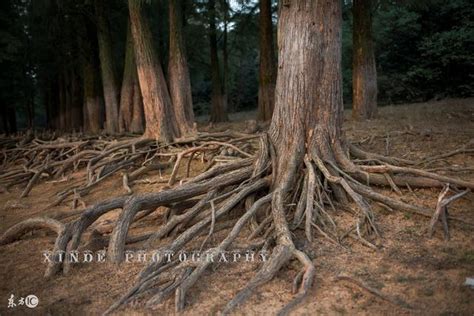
[[427, 273]]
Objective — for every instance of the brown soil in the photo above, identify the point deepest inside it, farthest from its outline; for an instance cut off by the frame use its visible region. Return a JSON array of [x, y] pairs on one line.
[[427, 273]]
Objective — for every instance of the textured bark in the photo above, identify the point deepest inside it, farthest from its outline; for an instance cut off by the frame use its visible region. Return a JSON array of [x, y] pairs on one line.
[[218, 106], [131, 106], [308, 99], [159, 117], [109, 81], [178, 72], [364, 72], [267, 71]]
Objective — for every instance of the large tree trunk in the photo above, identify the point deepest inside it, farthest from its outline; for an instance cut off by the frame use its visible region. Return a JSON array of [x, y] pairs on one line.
[[267, 72], [109, 81], [131, 106], [218, 106], [178, 73], [159, 117], [308, 101], [364, 72]]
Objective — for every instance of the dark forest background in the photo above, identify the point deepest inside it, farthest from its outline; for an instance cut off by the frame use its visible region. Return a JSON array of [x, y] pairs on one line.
[[424, 50]]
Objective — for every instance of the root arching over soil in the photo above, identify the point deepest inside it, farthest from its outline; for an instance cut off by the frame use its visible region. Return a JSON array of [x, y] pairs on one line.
[[278, 195]]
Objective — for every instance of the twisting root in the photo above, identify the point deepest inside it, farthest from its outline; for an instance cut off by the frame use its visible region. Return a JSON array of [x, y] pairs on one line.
[[300, 189], [373, 291]]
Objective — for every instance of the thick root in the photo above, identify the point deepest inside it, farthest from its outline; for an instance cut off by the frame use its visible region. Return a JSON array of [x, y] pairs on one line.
[[301, 190]]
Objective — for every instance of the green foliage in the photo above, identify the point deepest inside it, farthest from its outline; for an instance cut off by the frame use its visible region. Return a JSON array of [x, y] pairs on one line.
[[425, 51]]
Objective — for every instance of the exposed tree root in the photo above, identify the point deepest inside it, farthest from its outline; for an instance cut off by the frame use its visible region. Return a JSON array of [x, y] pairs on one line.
[[277, 202], [396, 302]]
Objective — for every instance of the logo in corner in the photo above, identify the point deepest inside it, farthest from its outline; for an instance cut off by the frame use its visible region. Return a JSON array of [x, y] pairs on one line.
[[31, 301]]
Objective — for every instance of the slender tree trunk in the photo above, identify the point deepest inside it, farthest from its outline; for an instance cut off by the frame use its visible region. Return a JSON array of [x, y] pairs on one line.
[[178, 73], [68, 97], [131, 106], [109, 81], [364, 72], [53, 104], [159, 117], [11, 121], [92, 116], [267, 72], [218, 110], [8, 116], [93, 123], [62, 102], [225, 57], [77, 104]]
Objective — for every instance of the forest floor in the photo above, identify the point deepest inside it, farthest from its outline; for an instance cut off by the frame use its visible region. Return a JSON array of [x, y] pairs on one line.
[[427, 273]]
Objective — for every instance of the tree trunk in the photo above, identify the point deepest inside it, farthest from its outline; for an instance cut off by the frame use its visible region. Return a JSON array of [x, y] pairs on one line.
[[225, 57], [92, 102], [76, 100], [308, 99], [92, 116], [68, 97], [178, 72], [218, 109], [267, 73], [364, 72], [137, 125], [62, 102], [109, 81], [159, 117], [131, 107]]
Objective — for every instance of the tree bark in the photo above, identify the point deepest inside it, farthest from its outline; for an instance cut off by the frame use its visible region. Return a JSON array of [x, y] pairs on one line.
[[178, 72], [364, 72], [131, 106], [267, 72], [109, 81], [218, 109], [159, 117], [308, 99]]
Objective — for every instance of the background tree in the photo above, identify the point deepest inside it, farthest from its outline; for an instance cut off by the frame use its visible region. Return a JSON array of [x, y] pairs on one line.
[[159, 117], [218, 106], [107, 67], [89, 61], [364, 72], [267, 73], [178, 73], [131, 116]]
